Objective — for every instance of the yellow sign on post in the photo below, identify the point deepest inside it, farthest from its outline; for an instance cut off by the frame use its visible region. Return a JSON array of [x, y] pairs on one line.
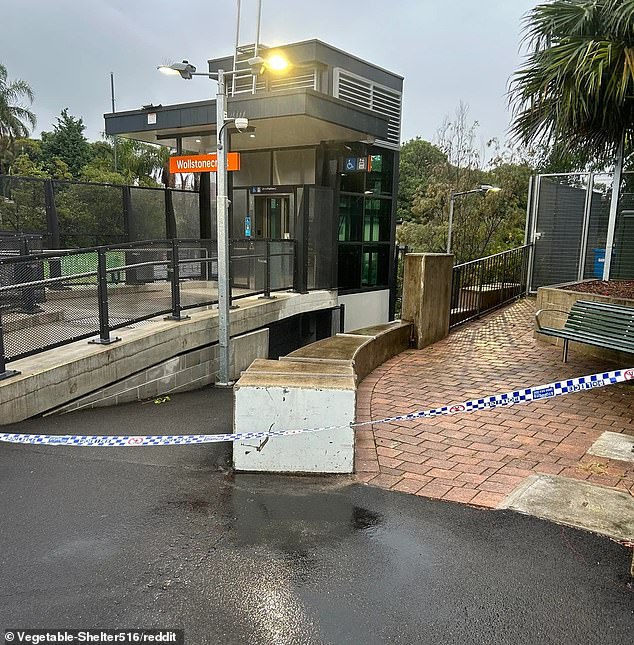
[[203, 163]]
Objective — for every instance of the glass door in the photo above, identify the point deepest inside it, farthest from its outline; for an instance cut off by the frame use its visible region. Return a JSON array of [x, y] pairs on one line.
[[272, 217]]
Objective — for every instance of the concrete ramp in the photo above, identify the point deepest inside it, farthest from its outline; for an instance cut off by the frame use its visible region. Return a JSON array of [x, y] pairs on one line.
[[576, 503]]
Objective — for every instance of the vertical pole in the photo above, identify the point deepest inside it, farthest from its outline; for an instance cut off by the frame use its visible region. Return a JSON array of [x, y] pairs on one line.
[[224, 334], [4, 372], [102, 296], [114, 146], [452, 200], [52, 220], [235, 51], [176, 287], [533, 233], [614, 207], [126, 197], [27, 273], [257, 42], [587, 209], [267, 287]]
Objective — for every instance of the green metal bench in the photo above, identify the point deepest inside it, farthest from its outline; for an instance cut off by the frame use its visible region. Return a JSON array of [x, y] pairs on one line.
[[594, 323]]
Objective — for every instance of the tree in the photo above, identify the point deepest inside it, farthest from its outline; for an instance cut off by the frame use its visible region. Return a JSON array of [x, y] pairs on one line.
[[418, 157], [67, 142], [15, 118], [482, 224], [576, 89], [138, 164]]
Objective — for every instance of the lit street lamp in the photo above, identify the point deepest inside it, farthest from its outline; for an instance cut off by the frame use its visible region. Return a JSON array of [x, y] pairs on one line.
[[483, 190], [186, 70]]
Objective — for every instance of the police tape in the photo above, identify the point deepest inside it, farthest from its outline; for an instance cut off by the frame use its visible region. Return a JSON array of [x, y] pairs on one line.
[[538, 393]]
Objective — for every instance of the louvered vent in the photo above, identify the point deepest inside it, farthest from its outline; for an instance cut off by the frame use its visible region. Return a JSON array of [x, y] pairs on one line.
[[366, 94]]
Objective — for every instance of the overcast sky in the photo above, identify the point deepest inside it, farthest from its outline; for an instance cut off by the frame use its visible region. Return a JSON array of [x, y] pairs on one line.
[[447, 50]]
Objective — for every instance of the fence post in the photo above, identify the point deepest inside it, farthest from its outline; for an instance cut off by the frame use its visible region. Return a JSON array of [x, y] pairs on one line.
[[29, 304], [4, 372], [102, 295], [176, 286], [267, 287], [479, 296]]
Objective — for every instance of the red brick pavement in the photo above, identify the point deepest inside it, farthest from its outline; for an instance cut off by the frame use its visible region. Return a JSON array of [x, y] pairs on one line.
[[479, 458]]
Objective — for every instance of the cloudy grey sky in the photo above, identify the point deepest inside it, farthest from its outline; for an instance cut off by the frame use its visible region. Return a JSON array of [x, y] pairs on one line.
[[447, 50]]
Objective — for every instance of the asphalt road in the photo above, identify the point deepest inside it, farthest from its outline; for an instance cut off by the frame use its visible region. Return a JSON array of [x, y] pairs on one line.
[[162, 537]]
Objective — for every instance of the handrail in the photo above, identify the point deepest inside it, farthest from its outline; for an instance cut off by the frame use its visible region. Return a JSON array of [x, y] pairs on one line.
[[495, 255], [33, 284]]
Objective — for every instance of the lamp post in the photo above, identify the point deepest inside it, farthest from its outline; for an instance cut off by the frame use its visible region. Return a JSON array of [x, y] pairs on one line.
[[187, 71], [483, 190]]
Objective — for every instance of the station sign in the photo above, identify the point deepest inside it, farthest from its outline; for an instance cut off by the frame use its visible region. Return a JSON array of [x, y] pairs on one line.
[[203, 163]]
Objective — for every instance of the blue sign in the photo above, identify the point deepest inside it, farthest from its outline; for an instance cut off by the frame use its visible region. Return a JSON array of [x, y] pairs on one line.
[[351, 163], [247, 226]]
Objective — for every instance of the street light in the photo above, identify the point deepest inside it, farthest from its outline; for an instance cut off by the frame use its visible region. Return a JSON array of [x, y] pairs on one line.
[[483, 190], [186, 70]]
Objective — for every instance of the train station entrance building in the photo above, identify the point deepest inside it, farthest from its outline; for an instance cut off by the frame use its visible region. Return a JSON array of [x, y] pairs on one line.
[[318, 165]]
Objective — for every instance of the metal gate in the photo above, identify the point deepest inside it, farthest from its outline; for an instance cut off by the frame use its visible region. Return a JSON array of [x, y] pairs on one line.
[[567, 225]]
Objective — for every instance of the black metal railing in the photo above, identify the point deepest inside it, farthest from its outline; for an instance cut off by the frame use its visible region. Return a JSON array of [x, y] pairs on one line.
[[396, 304], [52, 298], [485, 284]]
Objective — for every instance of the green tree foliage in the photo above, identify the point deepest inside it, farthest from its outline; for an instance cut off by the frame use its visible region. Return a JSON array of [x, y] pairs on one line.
[[16, 119], [138, 164], [418, 158], [575, 93], [483, 224], [67, 142]]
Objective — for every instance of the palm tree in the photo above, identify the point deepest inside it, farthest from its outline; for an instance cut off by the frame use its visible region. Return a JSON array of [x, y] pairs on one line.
[[576, 89], [15, 118]]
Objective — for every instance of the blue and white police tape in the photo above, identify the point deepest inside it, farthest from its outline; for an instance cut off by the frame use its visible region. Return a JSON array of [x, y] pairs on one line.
[[527, 395]]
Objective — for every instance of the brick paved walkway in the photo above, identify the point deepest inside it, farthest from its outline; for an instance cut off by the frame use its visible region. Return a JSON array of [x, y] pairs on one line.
[[479, 458]]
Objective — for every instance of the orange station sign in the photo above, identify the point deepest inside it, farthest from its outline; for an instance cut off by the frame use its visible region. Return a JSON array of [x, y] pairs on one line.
[[203, 163]]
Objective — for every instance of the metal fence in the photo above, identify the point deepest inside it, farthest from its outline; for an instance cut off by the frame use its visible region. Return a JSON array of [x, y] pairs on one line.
[[485, 284], [76, 214], [568, 222], [51, 299]]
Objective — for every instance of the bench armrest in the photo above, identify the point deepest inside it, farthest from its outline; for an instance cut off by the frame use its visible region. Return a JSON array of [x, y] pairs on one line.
[[537, 314]]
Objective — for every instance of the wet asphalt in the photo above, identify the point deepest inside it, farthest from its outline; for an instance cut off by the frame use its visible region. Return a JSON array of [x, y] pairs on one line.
[[166, 537]]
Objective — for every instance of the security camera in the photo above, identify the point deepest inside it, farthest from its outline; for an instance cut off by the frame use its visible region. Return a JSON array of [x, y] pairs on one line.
[[241, 123], [257, 65]]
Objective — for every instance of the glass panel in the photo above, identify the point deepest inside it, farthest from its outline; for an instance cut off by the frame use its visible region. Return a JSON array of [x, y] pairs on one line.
[[239, 211], [349, 266], [379, 179], [376, 259], [255, 170], [293, 167], [376, 223], [350, 216], [353, 182]]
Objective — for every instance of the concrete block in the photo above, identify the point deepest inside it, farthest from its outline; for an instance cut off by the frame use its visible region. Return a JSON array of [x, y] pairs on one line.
[[427, 282], [275, 408]]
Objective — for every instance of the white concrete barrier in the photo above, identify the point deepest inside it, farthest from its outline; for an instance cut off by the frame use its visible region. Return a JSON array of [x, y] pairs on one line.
[[296, 399]]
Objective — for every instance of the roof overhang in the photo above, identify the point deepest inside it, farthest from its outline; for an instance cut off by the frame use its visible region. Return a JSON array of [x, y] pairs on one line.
[[298, 117]]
